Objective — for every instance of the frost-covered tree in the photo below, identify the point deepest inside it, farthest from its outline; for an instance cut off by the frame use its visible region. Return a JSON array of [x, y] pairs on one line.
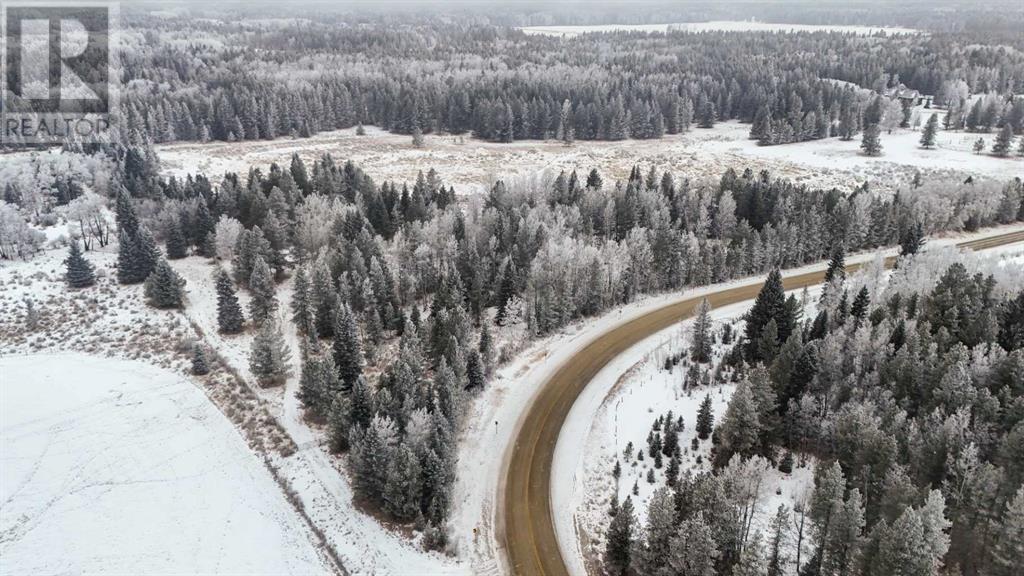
[[79, 272], [693, 550], [703, 337], [619, 542], [229, 312], [348, 355], [705, 418], [870, 142], [263, 301], [318, 383], [200, 365], [163, 287], [269, 356], [931, 128]]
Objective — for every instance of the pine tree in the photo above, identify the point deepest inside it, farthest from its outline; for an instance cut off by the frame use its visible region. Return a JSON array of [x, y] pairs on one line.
[[777, 545], [619, 544], [417, 137], [870, 142], [229, 312], [302, 307], [200, 366], [163, 287], [137, 256], [707, 114], [912, 239], [751, 561], [859, 310], [263, 304], [348, 355], [1008, 556], [475, 378], [979, 145], [739, 432], [703, 338], [837, 265], [931, 128], [769, 305], [80, 273], [318, 384], [177, 244], [1004, 141], [403, 488], [693, 550], [486, 348], [323, 299], [705, 418], [269, 356]]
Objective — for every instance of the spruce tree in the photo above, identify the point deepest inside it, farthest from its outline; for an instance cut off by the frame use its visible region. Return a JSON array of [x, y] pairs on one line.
[[475, 378], [80, 273], [177, 244], [348, 355], [930, 129], [318, 384], [163, 287], [912, 239], [837, 264], [302, 308], [705, 418], [870, 142], [1004, 140], [703, 339], [1008, 556], [770, 304], [200, 366], [263, 304], [229, 312], [269, 355], [859, 310], [619, 544]]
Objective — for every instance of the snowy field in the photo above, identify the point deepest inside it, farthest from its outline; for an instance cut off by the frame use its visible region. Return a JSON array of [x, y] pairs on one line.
[[715, 26], [120, 467], [472, 165]]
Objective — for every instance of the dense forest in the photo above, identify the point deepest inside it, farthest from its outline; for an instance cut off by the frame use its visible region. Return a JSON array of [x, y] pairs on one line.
[[908, 395], [403, 294], [239, 79]]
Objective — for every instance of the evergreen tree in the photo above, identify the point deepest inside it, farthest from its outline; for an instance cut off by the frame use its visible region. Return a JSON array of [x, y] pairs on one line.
[[739, 432], [859, 310], [163, 287], [931, 128], [1004, 140], [836, 265], [912, 239], [705, 418], [1008, 556], [770, 304], [302, 307], [348, 355], [263, 303], [777, 545], [318, 384], [403, 488], [979, 146], [707, 114], [475, 378], [703, 338], [693, 550], [619, 543], [229, 312], [80, 273], [177, 244], [137, 256], [269, 356], [870, 142], [200, 366]]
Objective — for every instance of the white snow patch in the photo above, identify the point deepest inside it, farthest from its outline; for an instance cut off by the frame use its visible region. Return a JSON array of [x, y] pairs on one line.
[[115, 466]]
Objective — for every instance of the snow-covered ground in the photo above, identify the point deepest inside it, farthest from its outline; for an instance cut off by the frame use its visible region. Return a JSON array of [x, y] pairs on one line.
[[716, 26], [620, 405], [120, 467], [364, 545], [470, 165]]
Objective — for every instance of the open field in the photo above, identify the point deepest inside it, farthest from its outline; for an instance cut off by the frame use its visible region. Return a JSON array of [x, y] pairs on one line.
[[121, 467], [472, 165], [715, 26]]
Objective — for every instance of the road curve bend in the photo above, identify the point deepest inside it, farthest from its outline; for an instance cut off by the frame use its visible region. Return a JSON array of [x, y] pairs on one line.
[[529, 539]]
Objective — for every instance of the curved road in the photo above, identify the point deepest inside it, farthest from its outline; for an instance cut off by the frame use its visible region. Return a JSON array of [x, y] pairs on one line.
[[529, 531]]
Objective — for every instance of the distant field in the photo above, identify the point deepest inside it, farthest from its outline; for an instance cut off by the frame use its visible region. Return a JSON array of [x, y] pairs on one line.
[[472, 165], [715, 26]]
